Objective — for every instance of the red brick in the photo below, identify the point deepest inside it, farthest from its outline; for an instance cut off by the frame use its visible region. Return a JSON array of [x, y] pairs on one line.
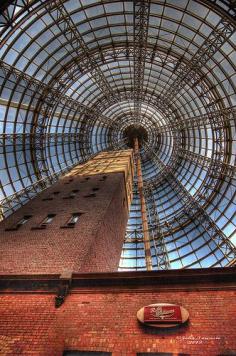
[[106, 321], [99, 230]]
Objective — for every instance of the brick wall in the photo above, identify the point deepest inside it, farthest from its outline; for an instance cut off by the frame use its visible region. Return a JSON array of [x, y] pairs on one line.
[[105, 320], [54, 249]]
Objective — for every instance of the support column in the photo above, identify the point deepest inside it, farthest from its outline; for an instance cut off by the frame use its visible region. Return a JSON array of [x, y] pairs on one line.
[[146, 238]]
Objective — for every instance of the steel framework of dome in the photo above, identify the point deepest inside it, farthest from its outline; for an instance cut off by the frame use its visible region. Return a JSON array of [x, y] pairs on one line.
[[77, 75]]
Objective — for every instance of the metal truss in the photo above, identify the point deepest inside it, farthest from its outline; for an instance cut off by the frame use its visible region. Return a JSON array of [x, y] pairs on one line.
[[21, 197], [141, 18], [112, 55], [89, 61], [42, 116], [216, 166], [226, 114], [164, 169], [156, 231], [224, 4], [53, 94], [191, 73], [19, 7], [156, 101], [38, 137], [133, 236], [194, 210], [63, 20], [163, 105], [49, 97], [226, 170], [216, 169], [148, 55], [11, 10], [49, 138]]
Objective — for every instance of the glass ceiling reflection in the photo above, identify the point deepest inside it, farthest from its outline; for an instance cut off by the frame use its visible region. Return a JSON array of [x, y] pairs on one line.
[[68, 91]]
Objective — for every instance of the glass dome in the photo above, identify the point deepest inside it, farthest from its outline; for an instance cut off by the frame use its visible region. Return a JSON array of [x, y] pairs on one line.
[[76, 75]]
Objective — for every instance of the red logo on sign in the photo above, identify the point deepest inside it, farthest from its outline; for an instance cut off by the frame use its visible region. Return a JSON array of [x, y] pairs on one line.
[[162, 314]]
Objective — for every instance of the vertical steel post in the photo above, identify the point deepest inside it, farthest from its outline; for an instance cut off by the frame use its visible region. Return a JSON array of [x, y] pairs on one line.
[[146, 239]]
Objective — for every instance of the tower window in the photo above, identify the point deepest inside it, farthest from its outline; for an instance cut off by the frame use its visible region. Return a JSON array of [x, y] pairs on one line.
[[73, 220], [69, 181], [21, 222], [45, 222], [103, 178], [85, 179], [92, 195], [86, 353], [48, 219], [72, 194]]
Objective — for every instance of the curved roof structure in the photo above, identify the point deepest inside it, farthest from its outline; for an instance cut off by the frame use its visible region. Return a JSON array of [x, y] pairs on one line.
[[76, 75]]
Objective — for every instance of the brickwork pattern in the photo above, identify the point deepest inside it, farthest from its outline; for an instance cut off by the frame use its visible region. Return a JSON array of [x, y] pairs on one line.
[[106, 321], [101, 227]]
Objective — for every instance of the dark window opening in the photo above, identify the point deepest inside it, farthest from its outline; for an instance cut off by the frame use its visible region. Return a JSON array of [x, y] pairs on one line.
[[72, 194], [91, 195], [95, 189], [154, 354], [69, 181], [56, 193], [48, 198], [20, 223], [160, 354], [72, 221], [103, 178], [48, 220], [85, 180], [86, 353]]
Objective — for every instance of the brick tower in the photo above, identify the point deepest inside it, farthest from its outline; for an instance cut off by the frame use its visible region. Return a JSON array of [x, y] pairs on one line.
[[60, 294], [77, 225]]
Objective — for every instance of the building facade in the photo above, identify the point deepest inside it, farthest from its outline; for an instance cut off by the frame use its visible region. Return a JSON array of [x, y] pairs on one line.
[[80, 82], [78, 224]]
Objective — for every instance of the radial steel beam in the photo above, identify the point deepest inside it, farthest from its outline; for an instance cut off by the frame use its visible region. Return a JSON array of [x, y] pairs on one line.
[[226, 170], [146, 238], [195, 210], [50, 138], [49, 98], [141, 16], [226, 114], [53, 94], [8, 204], [159, 102], [155, 231], [209, 185], [191, 73], [68, 28], [24, 195]]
